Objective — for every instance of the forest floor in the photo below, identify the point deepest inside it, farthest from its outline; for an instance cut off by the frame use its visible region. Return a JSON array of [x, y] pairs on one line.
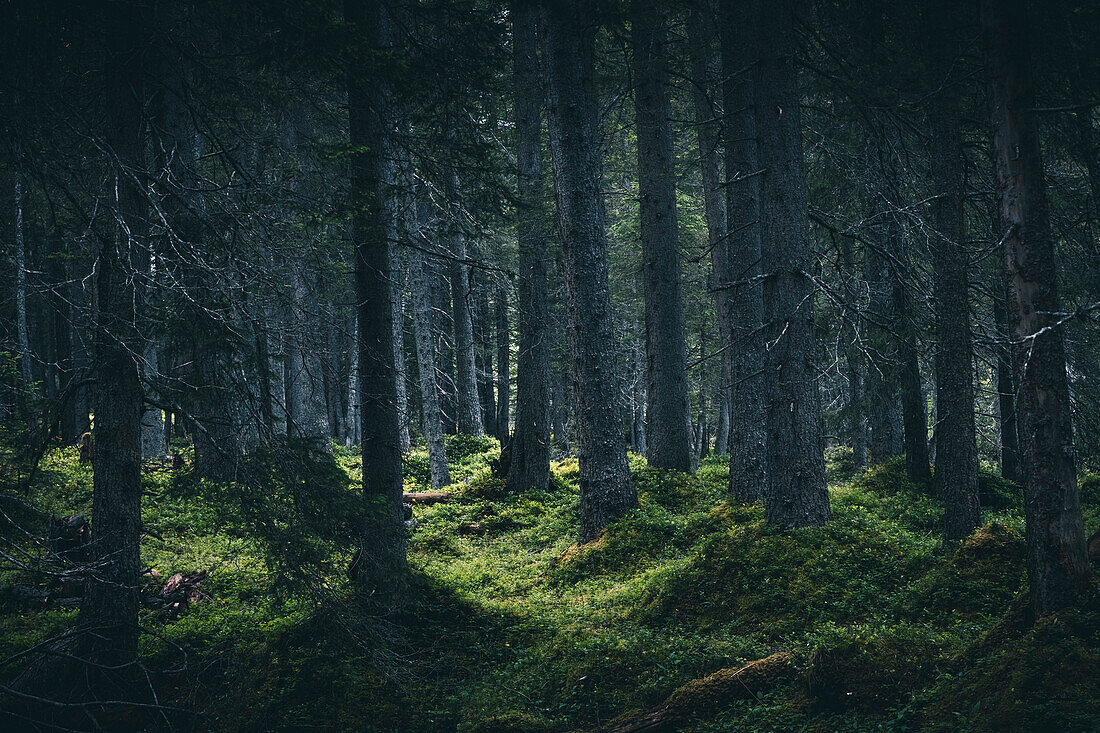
[[510, 626]]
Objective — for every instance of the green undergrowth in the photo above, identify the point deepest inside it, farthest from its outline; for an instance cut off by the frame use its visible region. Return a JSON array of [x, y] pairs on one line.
[[510, 625]]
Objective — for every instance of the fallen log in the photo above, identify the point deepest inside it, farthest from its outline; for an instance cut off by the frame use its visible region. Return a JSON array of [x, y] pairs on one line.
[[701, 697], [427, 497]]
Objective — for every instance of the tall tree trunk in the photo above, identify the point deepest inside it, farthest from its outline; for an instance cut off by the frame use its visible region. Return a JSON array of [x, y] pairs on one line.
[[857, 426], [529, 448], [479, 286], [1056, 561], [22, 333], [153, 446], [468, 418], [443, 315], [668, 403], [700, 45], [796, 494], [1008, 443], [748, 432], [424, 331], [956, 478], [382, 566], [398, 281], [109, 609], [307, 408], [606, 489], [504, 386]]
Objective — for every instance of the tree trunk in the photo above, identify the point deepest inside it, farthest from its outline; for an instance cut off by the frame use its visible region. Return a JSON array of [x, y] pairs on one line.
[[504, 386], [22, 333], [796, 494], [529, 448], [424, 332], [153, 446], [956, 478], [606, 488], [1056, 560], [857, 424], [1008, 443], [109, 609], [479, 288], [748, 433], [468, 418], [668, 404], [382, 567], [397, 280], [700, 45]]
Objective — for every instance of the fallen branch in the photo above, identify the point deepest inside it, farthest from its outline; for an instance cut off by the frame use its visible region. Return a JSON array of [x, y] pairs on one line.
[[427, 497]]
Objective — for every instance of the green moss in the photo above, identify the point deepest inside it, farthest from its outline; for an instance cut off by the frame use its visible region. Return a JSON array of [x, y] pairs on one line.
[[510, 625]]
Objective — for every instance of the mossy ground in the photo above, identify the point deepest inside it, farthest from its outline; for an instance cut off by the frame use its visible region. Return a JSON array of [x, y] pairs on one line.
[[510, 626]]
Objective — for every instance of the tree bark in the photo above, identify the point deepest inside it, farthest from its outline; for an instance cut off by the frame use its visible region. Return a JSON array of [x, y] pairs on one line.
[[956, 477], [606, 488], [529, 448], [468, 418], [109, 609], [382, 568], [1056, 559], [425, 335], [796, 494], [700, 45], [748, 431], [667, 402], [1008, 443], [503, 374]]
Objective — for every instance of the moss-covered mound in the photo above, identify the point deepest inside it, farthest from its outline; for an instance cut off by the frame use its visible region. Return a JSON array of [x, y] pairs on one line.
[[510, 625]]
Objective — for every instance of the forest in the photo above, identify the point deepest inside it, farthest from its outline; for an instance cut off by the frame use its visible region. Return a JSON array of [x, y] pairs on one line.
[[507, 366]]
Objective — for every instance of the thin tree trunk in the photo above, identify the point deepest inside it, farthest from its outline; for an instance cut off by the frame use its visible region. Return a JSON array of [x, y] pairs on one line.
[[606, 488], [529, 448], [469, 406], [748, 433], [483, 351], [668, 403], [503, 375], [857, 424], [22, 333], [1008, 443], [796, 494], [382, 566], [700, 45], [956, 478], [425, 337], [153, 446], [398, 278], [1056, 560]]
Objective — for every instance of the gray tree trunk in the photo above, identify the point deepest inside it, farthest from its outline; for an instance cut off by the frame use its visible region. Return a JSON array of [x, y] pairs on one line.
[[668, 403], [796, 495], [424, 331], [956, 477], [606, 488], [700, 45], [22, 333], [382, 562], [398, 276], [1056, 559], [503, 416], [529, 447], [748, 432], [1008, 444], [468, 418], [153, 445]]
